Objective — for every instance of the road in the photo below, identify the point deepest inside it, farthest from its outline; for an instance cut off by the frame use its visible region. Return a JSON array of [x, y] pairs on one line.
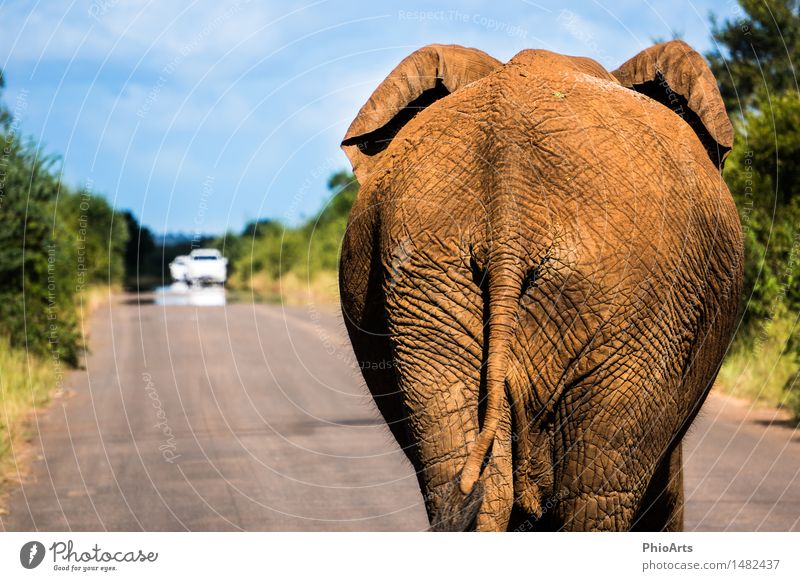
[[253, 417]]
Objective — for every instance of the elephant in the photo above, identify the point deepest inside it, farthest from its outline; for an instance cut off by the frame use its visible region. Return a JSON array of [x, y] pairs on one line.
[[540, 277]]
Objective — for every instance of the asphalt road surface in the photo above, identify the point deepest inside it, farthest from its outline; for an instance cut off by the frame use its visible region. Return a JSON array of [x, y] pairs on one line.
[[191, 416]]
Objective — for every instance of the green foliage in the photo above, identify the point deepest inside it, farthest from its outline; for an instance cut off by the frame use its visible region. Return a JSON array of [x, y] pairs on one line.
[[753, 65], [100, 234], [25, 383], [137, 256], [325, 232], [756, 50], [54, 244], [791, 389], [760, 369], [768, 141], [762, 172], [273, 250], [146, 261], [5, 114]]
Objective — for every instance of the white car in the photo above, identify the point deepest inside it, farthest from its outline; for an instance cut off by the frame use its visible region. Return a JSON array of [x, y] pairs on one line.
[[206, 266], [178, 268]]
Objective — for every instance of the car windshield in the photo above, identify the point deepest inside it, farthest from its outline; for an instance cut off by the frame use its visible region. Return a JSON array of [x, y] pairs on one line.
[[205, 257]]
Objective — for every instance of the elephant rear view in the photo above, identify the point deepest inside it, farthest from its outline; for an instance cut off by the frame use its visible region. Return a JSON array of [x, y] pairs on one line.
[[540, 278]]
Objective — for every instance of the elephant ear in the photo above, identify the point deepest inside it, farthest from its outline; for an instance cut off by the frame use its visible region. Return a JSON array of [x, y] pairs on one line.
[[677, 76], [422, 78]]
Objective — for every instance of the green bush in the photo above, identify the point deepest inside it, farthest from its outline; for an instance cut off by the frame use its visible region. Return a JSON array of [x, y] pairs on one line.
[[271, 250], [791, 389], [54, 244], [768, 147], [753, 63], [759, 369]]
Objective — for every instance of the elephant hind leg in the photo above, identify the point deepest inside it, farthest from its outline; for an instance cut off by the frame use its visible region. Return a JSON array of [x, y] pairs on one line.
[[662, 505]]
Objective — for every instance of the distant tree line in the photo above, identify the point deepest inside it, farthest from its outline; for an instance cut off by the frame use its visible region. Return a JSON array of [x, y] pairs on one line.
[[147, 258], [261, 255], [268, 250]]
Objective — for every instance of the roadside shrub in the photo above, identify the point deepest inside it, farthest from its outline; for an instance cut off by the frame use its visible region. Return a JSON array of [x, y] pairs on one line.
[[759, 368], [791, 390], [54, 244], [268, 252]]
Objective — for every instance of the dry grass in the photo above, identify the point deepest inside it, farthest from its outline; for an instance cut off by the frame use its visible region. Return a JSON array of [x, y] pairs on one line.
[[760, 372], [26, 384], [292, 288], [95, 297], [320, 289]]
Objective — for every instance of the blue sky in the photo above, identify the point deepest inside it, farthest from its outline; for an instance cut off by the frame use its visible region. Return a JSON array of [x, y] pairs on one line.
[[201, 116]]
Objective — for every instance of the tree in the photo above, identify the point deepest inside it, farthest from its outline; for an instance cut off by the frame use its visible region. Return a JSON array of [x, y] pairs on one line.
[[763, 170], [37, 267], [756, 50], [5, 114], [754, 65], [139, 250], [270, 247], [54, 242], [258, 228]]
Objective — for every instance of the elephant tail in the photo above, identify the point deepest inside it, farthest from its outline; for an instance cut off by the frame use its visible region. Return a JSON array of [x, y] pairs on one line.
[[505, 277]]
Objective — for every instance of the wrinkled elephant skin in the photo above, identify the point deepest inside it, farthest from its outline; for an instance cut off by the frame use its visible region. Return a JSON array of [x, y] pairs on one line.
[[540, 278]]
